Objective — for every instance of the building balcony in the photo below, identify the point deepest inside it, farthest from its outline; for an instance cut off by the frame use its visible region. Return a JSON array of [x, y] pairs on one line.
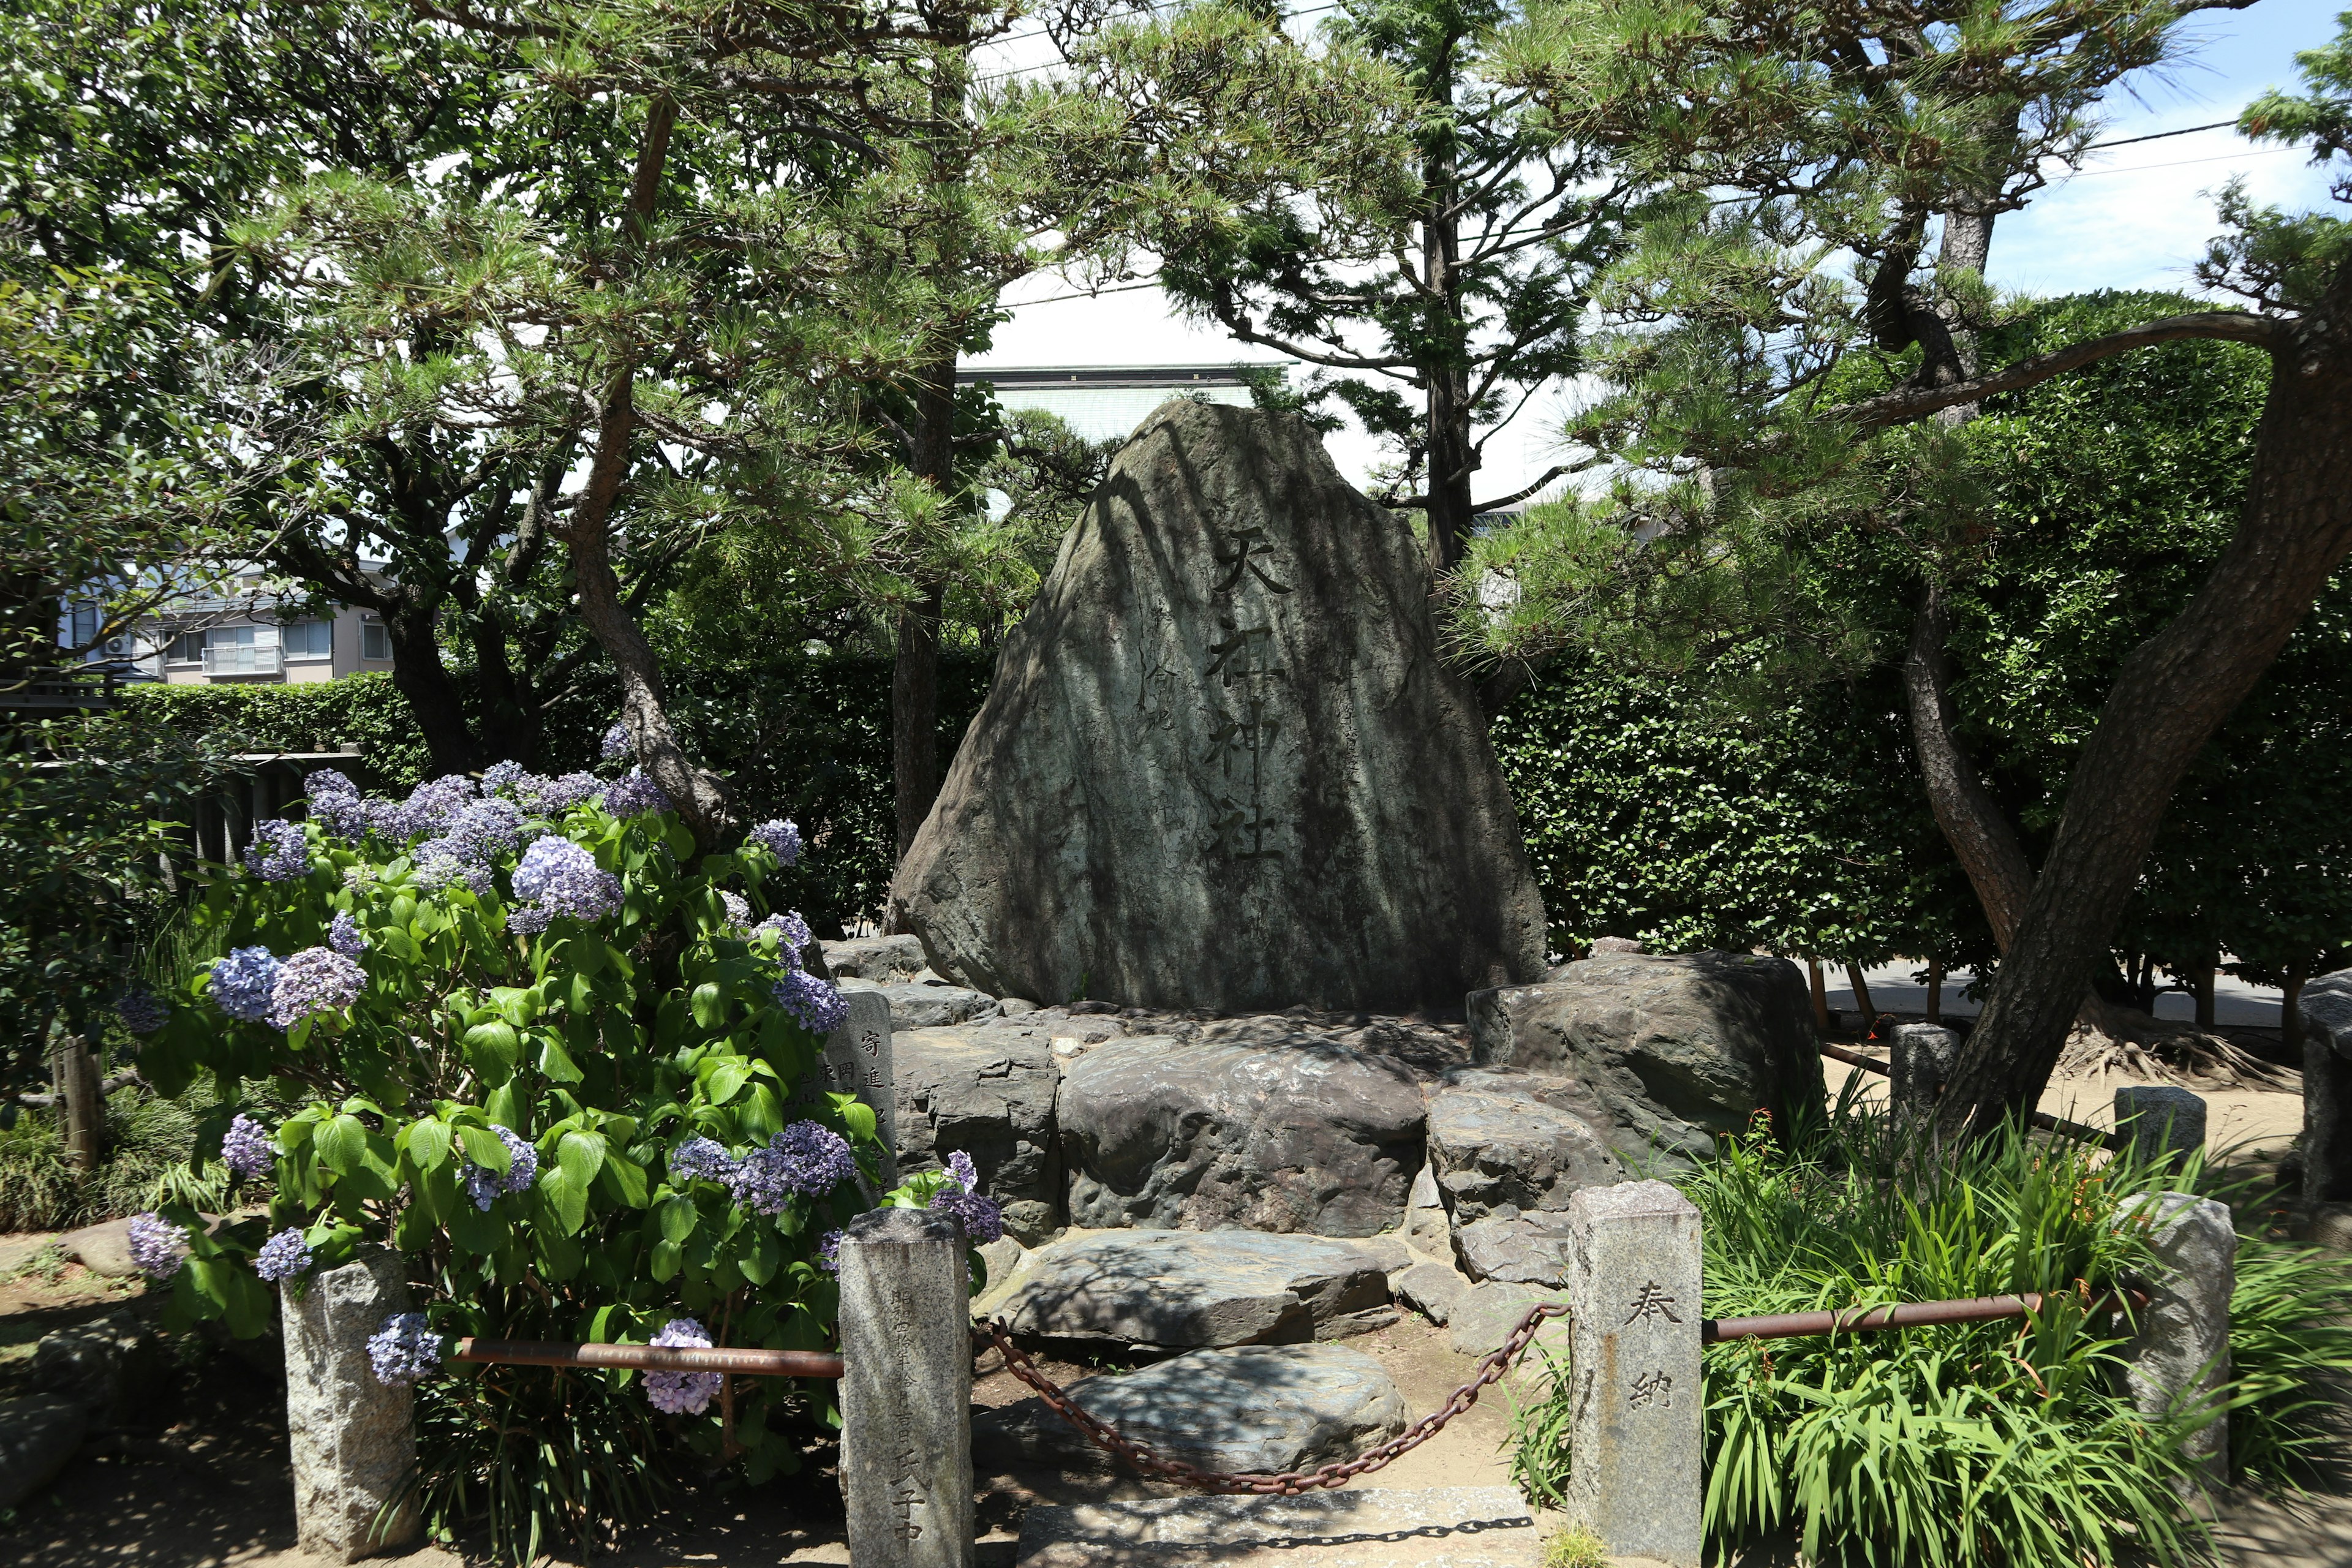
[[244, 658]]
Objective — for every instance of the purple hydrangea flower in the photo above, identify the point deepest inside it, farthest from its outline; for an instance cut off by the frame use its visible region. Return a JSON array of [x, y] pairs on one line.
[[529, 920], [157, 1248], [615, 744], [779, 837], [982, 1218], [820, 1008], [404, 1350], [634, 795], [966, 1175], [440, 863], [247, 1148], [335, 804], [280, 852], [828, 1252], [243, 981], [682, 1393], [565, 879], [500, 777], [804, 1160], [343, 935], [791, 935], [701, 1160], [738, 909], [548, 796], [435, 803], [484, 1185], [141, 1012], [283, 1256], [485, 829], [315, 980], [329, 781]]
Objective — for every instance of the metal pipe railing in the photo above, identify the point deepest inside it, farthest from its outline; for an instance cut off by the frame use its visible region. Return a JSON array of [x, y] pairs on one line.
[[1900, 1315], [749, 1360], [2040, 1119]]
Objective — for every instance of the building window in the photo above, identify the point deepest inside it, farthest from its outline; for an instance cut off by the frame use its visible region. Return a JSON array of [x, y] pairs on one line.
[[308, 639], [375, 639], [188, 647]]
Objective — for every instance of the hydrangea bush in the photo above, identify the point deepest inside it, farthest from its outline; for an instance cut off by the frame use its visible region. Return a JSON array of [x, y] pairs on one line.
[[547, 1060]]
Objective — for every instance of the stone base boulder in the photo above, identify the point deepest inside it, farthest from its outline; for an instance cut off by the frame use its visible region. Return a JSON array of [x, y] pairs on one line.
[[884, 960], [1664, 1052], [1184, 1289], [107, 1367], [1516, 1249], [1494, 1143], [1313, 1138], [989, 1093], [1260, 1408], [38, 1433], [1222, 763], [918, 1007]]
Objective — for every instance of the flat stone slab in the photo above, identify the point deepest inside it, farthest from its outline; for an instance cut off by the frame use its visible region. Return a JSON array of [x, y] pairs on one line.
[[1259, 1409], [914, 1006], [1448, 1527], [1184, 1288], [103, 1249]]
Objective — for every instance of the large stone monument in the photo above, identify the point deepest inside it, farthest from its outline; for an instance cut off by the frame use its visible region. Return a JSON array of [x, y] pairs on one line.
[[1222, 764]]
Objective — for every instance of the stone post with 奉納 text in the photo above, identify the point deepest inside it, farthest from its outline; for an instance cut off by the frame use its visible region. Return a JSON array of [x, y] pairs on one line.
[[906, 1390], [1634, 1297]]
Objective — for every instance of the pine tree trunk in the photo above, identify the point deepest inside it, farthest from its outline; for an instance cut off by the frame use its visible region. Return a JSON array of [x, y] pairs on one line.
[[1936, 991], [2171, 695], [1445, 370], [1820, 996], [420, 676], [1861, 998], [82, 1104], [915, 660], [1973, 822], [2290, 1014]]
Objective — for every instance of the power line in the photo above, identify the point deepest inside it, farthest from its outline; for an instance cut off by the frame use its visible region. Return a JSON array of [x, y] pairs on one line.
[[2159, 135]]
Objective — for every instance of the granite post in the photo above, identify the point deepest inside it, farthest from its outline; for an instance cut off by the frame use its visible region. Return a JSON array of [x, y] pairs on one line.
[[2178, 1357], [2159, 1123], [906, 1391], [1921, 1060], [856, 1060], [2325, 1004], [1633, 1292], [352, 1444]]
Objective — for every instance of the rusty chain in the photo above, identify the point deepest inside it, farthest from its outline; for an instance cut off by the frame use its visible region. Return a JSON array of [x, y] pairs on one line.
[[1290, 1483]]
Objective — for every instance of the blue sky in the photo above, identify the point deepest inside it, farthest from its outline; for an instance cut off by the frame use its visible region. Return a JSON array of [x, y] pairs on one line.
[[2138, 217]]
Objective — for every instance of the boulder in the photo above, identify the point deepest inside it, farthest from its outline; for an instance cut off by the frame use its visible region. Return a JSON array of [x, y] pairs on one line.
[[103, 1366], [1493, 1144], [1192, 1288], [1255, 1408], [1515, 1247], [1222, 764], [914, 1006], [1603, 946], [1484, 1316], [1432, 1290], [1425, 1225], [103, 1249], [1311, 1137], [38, 1435], [989, 1093], [882, 959], [1662, 1052]]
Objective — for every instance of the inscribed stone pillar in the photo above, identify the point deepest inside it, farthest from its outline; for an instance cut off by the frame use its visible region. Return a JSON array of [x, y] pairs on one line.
[[906, 1391], [1633, 1291], [1920, 1061], [856, 1060], [2159, 1122], [2179, 1357], [2326, 1006], [351, 1441]]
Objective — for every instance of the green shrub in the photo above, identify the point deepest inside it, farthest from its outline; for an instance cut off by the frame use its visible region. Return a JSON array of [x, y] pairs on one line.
[[1990, 1444], [149, 1144], [500, 1025]]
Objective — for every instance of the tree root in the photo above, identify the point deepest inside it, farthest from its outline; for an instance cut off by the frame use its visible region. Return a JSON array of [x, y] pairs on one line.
[[2107, 1038]]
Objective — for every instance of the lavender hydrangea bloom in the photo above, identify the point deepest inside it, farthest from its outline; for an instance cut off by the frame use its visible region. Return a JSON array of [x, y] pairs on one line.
[[529, 920], [280, 852], [738, 909], [435, 803], [248, 1149], [440, 864], [283, 1256], [500, 777], [791, 935], [982, 1219], [615, 744], [682, 1393], [779, 837], [701, 1160], [344, 936], [243, 981], [329, 781], [157, 1248], [966, 1175], [484, 1185], [634, 795], [404, 1350], [335, 804], [828, 1252], [564, 880], [548, 796], [314, 981], [804, 1160], [820, 1008], [141, 1012], [485, 829]]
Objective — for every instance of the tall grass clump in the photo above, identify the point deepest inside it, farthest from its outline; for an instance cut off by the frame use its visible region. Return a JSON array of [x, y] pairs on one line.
[[1997, 1445], [148, 1141]]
